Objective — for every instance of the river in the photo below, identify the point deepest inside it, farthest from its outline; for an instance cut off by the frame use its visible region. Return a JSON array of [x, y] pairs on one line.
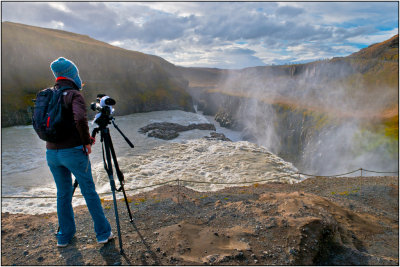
[[25, 171]]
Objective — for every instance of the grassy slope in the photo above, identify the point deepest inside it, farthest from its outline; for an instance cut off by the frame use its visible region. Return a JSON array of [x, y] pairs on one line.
[[138, 82], [378, 69]]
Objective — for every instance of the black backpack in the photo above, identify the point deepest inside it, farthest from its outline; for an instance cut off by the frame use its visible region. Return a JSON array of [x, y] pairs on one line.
[[49, 118]]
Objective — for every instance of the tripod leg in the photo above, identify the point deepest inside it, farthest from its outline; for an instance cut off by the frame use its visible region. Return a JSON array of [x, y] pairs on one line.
[[121, 178], [107, 141], [116, 217], [127, 205]]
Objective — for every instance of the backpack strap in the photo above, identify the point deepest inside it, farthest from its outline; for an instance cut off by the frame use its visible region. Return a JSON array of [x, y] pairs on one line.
[[65, 106], [63, 88]]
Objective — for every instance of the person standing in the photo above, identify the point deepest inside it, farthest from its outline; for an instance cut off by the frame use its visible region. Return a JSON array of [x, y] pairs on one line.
[[71, 156]]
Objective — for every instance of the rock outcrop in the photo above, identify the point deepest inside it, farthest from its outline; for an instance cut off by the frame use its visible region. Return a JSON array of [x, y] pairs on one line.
[[217, 136], [169, 130]]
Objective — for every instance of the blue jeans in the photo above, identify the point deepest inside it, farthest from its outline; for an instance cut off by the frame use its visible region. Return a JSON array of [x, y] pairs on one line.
[[62, 163]]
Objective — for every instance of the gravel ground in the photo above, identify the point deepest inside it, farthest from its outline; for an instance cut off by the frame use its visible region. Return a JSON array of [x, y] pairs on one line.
[[320, 221]]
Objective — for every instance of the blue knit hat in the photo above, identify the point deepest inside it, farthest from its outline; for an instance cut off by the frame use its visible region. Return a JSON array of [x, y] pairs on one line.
[[63, 67]]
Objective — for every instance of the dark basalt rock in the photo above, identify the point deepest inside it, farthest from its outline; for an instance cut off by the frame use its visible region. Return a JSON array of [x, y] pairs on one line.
[[217, 136], [169, 130], [225, 119], [163, 134], [165, 126]]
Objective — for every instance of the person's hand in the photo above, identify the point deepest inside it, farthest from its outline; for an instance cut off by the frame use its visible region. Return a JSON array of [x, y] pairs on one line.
[[88, 149]]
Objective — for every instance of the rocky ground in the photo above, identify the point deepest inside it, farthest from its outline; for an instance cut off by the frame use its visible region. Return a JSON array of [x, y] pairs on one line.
[[320, 221]]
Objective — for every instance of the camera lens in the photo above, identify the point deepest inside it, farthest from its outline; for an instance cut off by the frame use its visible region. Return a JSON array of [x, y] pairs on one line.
[[110, 101], [93, 106]]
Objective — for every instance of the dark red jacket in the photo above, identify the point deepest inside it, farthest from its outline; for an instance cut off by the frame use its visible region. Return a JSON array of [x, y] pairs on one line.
[[76, 111]]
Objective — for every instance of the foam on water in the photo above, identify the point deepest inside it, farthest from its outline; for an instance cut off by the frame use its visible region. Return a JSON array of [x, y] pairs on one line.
[[36, 205], [198, 160], [202, 160]]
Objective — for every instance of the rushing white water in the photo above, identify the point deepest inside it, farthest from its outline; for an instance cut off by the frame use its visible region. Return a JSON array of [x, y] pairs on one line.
[[201, 160], [152, 161]]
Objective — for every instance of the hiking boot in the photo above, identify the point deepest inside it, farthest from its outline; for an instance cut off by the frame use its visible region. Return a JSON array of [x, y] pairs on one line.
[[105, 241], [61, 245]]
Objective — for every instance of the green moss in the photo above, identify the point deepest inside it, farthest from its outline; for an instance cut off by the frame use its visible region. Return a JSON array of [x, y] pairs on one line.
[[392, 127], [374, 138]]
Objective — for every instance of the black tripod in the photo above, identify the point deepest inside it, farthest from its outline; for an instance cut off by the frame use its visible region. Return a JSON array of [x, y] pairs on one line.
[[108, 147]]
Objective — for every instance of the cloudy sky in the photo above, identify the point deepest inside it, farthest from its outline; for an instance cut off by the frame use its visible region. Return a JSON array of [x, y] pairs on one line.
[[220, 34]]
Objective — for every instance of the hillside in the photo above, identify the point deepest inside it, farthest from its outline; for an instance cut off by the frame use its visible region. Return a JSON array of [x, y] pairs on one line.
[[137, 81], [387, 50]]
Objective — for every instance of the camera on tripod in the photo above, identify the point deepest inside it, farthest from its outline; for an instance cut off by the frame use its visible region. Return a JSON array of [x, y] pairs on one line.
[[103, 106]]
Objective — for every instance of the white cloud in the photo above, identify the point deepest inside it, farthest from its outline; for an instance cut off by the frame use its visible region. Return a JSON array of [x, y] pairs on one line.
[[57, 24], [345, 49], [181, 9], [60, 6], [117, 43], [375, 38]]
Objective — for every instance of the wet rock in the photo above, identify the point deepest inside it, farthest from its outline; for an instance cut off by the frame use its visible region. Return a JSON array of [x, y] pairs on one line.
[[217, 136], [212, 217], [226, 258], [293, 251], [163, 134], [226, 118], [212, 258], [169, 130], [267, 254], [271, 224], [173, 259], [240, 256]]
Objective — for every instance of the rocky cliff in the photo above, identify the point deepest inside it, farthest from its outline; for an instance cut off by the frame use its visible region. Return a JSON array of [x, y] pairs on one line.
[[337, 106]]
